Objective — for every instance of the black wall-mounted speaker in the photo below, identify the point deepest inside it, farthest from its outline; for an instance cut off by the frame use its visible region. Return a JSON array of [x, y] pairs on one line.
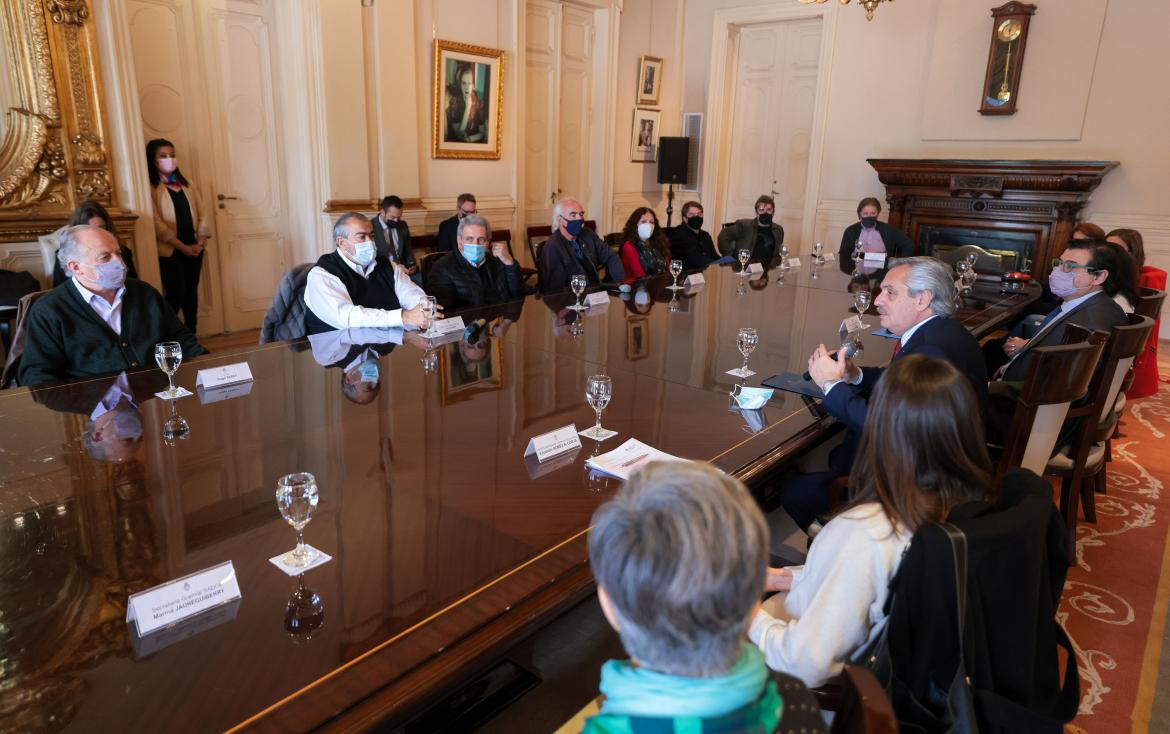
[[673, 156]]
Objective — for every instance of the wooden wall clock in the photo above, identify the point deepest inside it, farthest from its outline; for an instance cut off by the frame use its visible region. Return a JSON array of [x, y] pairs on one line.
[[1009, 32]]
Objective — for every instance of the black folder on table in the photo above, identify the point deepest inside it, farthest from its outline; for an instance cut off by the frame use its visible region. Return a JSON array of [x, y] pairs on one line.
[[792, 382]]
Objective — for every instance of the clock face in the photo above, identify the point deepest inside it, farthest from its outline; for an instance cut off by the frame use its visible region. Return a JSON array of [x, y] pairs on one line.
[[1009, 30]]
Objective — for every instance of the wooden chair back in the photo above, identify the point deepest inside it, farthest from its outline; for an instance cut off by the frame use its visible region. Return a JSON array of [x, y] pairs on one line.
[[426, 262], [19, 333], [614, 240], [1056, 377], [422, 242], [1149, 303], [864, 708]]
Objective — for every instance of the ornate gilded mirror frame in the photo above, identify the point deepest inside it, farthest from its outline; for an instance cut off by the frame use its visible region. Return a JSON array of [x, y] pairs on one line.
[[54, 153]]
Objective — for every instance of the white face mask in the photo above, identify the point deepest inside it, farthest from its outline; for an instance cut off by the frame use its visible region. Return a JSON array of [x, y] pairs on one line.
[[168, 165], [645, 229]]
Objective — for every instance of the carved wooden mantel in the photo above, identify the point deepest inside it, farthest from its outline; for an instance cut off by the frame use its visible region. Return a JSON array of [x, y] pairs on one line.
[[1042, 198]]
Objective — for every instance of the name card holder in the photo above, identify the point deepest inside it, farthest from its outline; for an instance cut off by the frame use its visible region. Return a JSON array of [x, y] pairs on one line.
[[170, 603], [794, 263], [446, 326], [693, 280], [849, 326], [553, 443], [829, 257], [597, 298], [875, 258], [755, 268], [227, 392], [230, 374]]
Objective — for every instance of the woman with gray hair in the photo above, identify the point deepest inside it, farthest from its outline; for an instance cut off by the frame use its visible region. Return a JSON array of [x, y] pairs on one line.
[[679, 555]]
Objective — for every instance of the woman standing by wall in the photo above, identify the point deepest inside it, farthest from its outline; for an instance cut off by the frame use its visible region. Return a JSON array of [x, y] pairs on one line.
[[181, 226]]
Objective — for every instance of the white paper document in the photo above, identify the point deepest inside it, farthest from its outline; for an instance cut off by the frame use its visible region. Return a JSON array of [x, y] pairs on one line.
[[623, 460]]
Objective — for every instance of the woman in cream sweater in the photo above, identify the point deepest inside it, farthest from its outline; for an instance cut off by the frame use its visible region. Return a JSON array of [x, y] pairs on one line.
[[920, 456], [182, 228]]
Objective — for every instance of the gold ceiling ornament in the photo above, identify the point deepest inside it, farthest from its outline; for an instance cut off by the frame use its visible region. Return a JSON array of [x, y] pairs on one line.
[[869, 5]]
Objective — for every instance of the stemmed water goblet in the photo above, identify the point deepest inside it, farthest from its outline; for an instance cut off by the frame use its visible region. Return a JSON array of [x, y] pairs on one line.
[[175, 427], [819, 253], [745, 341], [598, 391], [676, 268], [296, 498], [861, 300], [858, 252], [743, 256], [783, 257], [578, 283], [430, 307], [304, 613], [169, 355]]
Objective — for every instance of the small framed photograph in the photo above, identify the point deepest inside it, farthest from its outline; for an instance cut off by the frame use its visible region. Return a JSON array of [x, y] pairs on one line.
[[468, 111], [649, 79], [644, 136], [637, 338], [466, 370]]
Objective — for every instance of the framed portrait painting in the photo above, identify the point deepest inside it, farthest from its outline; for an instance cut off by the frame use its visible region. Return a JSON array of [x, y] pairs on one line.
[[649, 79], [637, 338], [466, 370], [468, 101], [644, 136]]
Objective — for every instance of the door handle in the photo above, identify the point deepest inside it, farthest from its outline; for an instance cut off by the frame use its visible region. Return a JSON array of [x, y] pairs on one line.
[[221, 197]]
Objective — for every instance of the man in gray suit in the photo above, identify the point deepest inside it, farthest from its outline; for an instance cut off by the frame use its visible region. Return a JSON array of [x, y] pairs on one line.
[[761, 235], [392, 237]]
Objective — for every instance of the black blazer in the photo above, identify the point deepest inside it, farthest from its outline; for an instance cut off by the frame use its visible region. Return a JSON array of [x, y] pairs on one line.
[[457, 284], [448, 235], [941, 337], [405, 255], [557, 263], [1098, 313], [897, 243]]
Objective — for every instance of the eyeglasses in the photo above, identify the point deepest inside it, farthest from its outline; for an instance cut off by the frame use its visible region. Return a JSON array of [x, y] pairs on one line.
[[1069, 266]]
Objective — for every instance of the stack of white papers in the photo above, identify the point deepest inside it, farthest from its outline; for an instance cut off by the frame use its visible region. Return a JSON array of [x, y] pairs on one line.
[[623, 460]]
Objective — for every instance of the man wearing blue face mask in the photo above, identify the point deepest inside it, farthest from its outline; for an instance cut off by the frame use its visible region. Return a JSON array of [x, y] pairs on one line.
[[99, 321], [354, 287], [574, 250], [471, 275]]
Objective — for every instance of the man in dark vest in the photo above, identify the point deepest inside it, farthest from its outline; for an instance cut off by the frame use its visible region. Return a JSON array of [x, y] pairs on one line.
[[354, 286]]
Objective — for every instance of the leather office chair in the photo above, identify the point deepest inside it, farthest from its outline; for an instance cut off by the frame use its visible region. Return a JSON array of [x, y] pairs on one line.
[[426, 262], [505, 236], [422, 243], [19, 332], [1081, 464], [1057, 376], [1149, 304], [862, 707]]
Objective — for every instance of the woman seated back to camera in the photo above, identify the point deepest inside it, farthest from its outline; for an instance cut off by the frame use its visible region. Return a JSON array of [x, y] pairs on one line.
[[679, 555], [922, 453]]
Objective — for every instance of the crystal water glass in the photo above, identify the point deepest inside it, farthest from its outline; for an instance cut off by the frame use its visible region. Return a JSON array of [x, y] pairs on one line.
[[858, 252], [743, 255], [169, 355], [578, 283], [783, 257], [175, 427], [861, 301], [430, 308], [676, 268], [598, 391], [296, 498], [745, 341]]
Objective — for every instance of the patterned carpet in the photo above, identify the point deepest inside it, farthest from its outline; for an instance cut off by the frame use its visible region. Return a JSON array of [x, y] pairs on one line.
[[1115, 602]]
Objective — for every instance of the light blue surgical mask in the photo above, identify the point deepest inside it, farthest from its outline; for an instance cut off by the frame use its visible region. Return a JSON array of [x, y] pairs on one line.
[[363, 252], [474, 253], [111, 274], [369, 371], [751, 398]]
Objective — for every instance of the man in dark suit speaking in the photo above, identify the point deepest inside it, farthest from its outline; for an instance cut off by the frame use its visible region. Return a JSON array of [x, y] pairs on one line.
[[916, 304]]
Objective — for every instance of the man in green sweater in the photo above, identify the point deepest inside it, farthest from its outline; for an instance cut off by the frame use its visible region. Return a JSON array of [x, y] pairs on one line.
[[98, 322]]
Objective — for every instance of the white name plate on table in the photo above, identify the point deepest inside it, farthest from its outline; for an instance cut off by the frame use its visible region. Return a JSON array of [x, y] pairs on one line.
[[230, 374], [829, 257], [794, 262], [174, 601], [227, 392], [597, 298], [553, 443], [850, 325], [149, 645], [875, 258], [694, 279], [446, 326], [755, 268]]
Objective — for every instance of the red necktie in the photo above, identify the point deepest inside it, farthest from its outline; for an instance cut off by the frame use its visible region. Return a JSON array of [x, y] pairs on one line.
[[897, 350]]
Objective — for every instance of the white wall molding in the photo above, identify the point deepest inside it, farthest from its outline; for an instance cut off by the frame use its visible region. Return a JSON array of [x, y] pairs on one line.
[[18, 256]]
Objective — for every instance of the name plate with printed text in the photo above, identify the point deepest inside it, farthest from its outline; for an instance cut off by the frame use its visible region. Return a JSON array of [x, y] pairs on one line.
[[755, 268], [553, 443], [229, 374], [875, 258], [694, 279], [227, 392], [794, 263], [597, 298], [174, 601], [446, 326]]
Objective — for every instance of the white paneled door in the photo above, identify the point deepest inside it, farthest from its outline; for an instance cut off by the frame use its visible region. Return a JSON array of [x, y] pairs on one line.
[[559, 71], [206, 81], [774, 93]]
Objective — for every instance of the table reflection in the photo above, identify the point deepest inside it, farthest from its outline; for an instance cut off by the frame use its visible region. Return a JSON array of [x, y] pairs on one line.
[[436, 523]]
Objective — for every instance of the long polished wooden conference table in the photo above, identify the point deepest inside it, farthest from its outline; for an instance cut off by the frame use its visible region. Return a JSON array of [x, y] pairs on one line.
[[447, 544]]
